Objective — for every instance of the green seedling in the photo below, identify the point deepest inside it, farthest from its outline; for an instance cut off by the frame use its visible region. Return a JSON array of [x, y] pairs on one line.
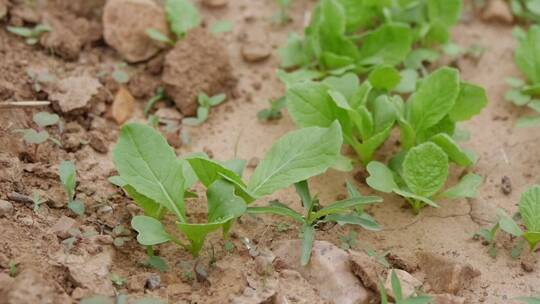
[[76, 235], [348, 241], [274, 112], [31, 34], [282, 16], [152, 175], [159, 95], [120, 235], [68, 177], [40, 78], [205, 103], [40, 135], [229, 247], [119, 73], [399, 298], [117, 280], [529, 210], [526, 93], [527, 10], [37, 202], [182, 16], [223, 26], [13, 269], [420, 176], [529, 300], [341, 212]]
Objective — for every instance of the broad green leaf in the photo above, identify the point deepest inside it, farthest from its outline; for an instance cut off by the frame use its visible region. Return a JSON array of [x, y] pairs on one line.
[[301, 75], [149, 206], [310, 105], [396, 287], [359, 14], [346, 205], [196, 233], [182, 16], [471, 100], [381, 178], [446, 12], [278, 210], [533, 238], [308, 236], [517, 97], [148, 164], [222, 202], [529, 208], [527, 54], [384, 78], [346, 84], [508, 224], [44, 119], [295, 157], [467, 187], [68, 176], [389, 44], [363, 220], [292, 53], [32, 137], [435, 97], [151, 231], [367, 148], [425, 169], [452, 149]]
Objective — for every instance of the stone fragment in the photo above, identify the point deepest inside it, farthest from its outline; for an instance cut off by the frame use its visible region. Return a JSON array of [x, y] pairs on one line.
[[445, 275]]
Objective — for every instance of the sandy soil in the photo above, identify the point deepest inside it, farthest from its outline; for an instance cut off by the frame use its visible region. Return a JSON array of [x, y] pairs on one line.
[[234, 131]]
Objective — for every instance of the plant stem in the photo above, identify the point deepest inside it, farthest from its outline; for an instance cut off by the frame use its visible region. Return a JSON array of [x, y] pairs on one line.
[[150, 251], [23, 104]]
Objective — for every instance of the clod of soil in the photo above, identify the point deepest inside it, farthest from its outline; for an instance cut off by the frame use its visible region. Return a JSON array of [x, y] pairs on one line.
[[29, 287], [73, 94], [255, 51], [198, 63], [6, 208], [3, 9], [367, 269], [124, 27], [506, 185], [215, 3], [498, 11], [445, 275]]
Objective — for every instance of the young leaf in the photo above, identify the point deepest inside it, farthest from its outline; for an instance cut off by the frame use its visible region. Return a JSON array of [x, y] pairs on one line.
[[467, 187], [389, 44], [182, 16], [158, 36], [222, 202], [44, 119], [292, 53], [302, 189], [295, 157], [77, 207], [310, 105], [346, 205], [363, 220], [425, 169], [396, 287], [32, 137], [471, 100], [196, 233], [151, 231], [308, 236], [526, 55], [508, 224], [381, 178], [148, 164], [452, 149], [384, 78], [435, 97], [67, 173], [529, 208]]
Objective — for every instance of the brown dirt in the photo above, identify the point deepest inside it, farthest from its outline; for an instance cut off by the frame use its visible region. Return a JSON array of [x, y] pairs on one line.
[[234, 131]]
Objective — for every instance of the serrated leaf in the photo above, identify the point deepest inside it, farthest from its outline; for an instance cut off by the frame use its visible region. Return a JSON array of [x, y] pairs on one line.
[[381, 178], [425, 169], [295, 157], [148, 164], [151, 231]]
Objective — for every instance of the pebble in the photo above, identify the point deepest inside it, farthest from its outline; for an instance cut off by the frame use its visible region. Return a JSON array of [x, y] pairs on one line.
[[6, 208], [153, 282], [255, 51]]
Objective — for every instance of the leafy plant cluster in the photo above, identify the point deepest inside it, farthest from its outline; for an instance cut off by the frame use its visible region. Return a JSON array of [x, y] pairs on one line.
[[427, 122], [31, 34], [526, 92], [528, 10], [40, 135], [529, 213], [159, 182]]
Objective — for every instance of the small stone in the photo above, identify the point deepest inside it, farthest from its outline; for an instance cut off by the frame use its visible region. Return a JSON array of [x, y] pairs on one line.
[[62, 226], [97, 141], [506, 185], [253, 162], [6, 208], [104, 239], [73, 94], [255, 51], [137, 282], [153, 282], [104, 210], [497, 11], [215, 3], [367, 269], [124, 27], [446, 299], [263, 263], [445, 275], [409, 284]]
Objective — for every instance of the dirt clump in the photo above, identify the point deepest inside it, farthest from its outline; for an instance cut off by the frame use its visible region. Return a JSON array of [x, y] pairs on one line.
[[74, 94], [215, 3], [30, 287], [198, 63], [124, 27], [367, 269], [497, 11], [3, 9]]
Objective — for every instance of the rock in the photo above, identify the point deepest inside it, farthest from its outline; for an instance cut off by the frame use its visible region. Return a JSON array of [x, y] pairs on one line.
[[29, 287], [153, 282], [506, 185], [293, 288], [255, 51], [328, 271], [73, 94], [62, 40], [483, 212], [124, 27], [97, 141], [6, 208], [445, 275], [91, 271], [263, 263], [168, 114], [497, 11], [137, 282], [123, 105], [198, 63], [409, 284], [62, 226], [446, 299], [367, 269], [215, 3]]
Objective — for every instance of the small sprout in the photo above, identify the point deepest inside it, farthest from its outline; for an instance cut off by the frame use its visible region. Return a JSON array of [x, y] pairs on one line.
[[31, 34], [37, 137], [274, 112], [156, 262], [397, 292], [182, 16], [13, 269], [68, 177], [348, 241], [205, 103], [229, 247], [282, 16], [37, 202], [159, 95], [159, 36], [39, 78], [117, 280], [119, 74]]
